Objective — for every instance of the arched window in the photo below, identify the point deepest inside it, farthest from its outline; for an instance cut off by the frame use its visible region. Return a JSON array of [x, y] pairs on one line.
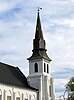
[[18, 95], [47, 68], [36, 67], [9, 95], [44, 67], [26, 96]]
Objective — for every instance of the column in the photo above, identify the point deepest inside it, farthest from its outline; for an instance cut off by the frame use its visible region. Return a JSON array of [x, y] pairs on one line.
[[4, 95], [13, 95], [47, 88], [40, 88], [22, 96]]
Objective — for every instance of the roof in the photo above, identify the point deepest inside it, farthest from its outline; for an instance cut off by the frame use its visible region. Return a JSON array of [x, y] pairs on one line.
[[39, 55], [39, 44], [38, 34], [13, 76]]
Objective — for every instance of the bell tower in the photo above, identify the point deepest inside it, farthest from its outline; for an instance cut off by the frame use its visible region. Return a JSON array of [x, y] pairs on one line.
[[39, 66]]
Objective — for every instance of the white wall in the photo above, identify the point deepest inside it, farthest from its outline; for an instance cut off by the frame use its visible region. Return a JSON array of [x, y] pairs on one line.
[[15, 91]]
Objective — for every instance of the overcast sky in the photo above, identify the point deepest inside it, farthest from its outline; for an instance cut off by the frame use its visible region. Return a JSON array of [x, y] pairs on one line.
[[17, 31]]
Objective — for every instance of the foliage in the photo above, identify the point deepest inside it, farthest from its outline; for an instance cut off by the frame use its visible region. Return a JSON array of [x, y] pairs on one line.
[[70, 84], [70, 89]]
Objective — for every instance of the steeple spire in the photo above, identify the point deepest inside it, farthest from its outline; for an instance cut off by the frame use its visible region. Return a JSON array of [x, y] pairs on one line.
[[38, 34], [39, 42], [39, 50]]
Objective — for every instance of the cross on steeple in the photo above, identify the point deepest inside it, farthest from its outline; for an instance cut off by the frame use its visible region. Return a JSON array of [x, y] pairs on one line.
[[39, 9]]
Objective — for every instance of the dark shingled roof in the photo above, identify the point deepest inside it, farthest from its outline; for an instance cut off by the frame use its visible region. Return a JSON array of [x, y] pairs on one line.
[[39, 44], [13, 76], [38, 34]]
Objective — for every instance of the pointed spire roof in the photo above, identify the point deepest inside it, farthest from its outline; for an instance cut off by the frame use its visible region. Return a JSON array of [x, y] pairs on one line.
[[38, 34], [39, 44]]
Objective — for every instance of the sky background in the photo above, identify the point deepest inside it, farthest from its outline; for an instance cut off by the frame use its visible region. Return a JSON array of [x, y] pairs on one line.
[[17, 31]]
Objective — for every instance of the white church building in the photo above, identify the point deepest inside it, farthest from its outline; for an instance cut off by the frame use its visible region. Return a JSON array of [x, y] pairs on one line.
[[39, 83]]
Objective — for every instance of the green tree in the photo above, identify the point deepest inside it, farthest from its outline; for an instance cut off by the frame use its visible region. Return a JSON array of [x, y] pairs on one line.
[[70, 89]]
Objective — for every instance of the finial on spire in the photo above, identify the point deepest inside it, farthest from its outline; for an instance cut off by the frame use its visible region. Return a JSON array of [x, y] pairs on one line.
[[39, 9]]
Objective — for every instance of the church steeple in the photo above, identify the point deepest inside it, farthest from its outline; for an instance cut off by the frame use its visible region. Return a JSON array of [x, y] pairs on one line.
[[39, 65], [39, 45]]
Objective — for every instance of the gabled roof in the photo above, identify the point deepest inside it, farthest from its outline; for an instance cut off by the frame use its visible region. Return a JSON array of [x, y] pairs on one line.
[[13, 76]]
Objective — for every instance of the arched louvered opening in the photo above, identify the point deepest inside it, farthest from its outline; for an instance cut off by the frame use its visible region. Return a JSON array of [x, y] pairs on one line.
[[36, 67]]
